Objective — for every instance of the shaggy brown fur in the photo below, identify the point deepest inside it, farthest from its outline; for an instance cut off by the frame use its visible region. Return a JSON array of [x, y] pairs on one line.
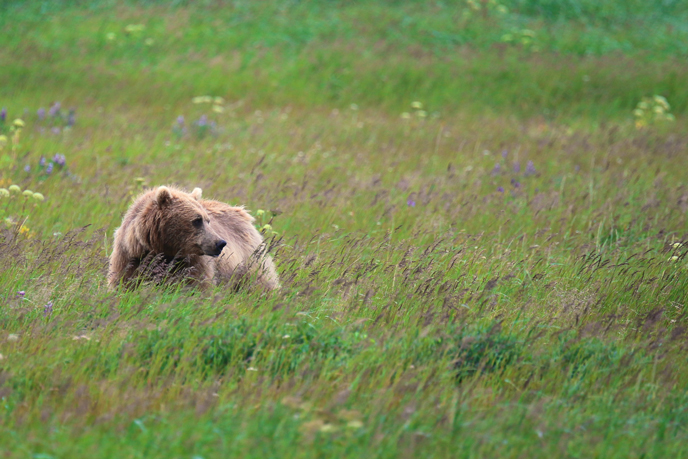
[[207, 241]]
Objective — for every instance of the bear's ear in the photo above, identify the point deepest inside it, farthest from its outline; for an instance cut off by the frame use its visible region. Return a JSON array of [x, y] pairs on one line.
[[196, 193], [163, 196]]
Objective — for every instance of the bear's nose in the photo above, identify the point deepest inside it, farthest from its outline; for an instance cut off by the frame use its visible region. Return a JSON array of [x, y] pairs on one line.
[[220, 245]]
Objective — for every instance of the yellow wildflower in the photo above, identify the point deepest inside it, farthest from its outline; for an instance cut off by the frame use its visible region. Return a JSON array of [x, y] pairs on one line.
[[202, 99]]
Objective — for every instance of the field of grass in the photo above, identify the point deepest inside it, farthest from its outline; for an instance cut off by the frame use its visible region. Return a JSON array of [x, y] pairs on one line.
[[480, 244]]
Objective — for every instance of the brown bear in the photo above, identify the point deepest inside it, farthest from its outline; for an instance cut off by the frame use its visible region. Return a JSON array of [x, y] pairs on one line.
[[208, 241]]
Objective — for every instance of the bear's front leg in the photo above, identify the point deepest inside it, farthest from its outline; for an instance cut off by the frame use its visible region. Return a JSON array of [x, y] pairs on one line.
[[203, 274]]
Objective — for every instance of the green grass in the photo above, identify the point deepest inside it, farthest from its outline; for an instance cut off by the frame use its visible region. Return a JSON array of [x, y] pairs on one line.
[[374, 54], [441, 298]]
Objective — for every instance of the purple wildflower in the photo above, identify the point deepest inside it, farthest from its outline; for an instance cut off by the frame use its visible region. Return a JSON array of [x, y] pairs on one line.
[[41, 162], [48, 308], [202, 121], [27, 168], [530, 168], [21, 294], [515, 183], [55, 130], [517, 167], [41, 113], [505, 153], [54, 110], [410, 202], [497, 169], [49, 169], [500, 189], [59, 159], [71, 118], [179, 126], [3, 114]]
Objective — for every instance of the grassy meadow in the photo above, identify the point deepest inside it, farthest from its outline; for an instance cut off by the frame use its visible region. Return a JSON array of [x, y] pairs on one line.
[[479, 213]]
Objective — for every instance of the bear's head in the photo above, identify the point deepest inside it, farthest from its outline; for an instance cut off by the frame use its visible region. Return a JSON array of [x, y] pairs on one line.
[[180, 227]]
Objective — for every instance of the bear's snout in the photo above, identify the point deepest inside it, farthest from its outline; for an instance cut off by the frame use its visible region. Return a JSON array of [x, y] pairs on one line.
[[219, 245]]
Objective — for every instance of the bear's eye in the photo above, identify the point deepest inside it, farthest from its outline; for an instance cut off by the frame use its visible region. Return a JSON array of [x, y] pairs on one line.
[[197, 222]]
